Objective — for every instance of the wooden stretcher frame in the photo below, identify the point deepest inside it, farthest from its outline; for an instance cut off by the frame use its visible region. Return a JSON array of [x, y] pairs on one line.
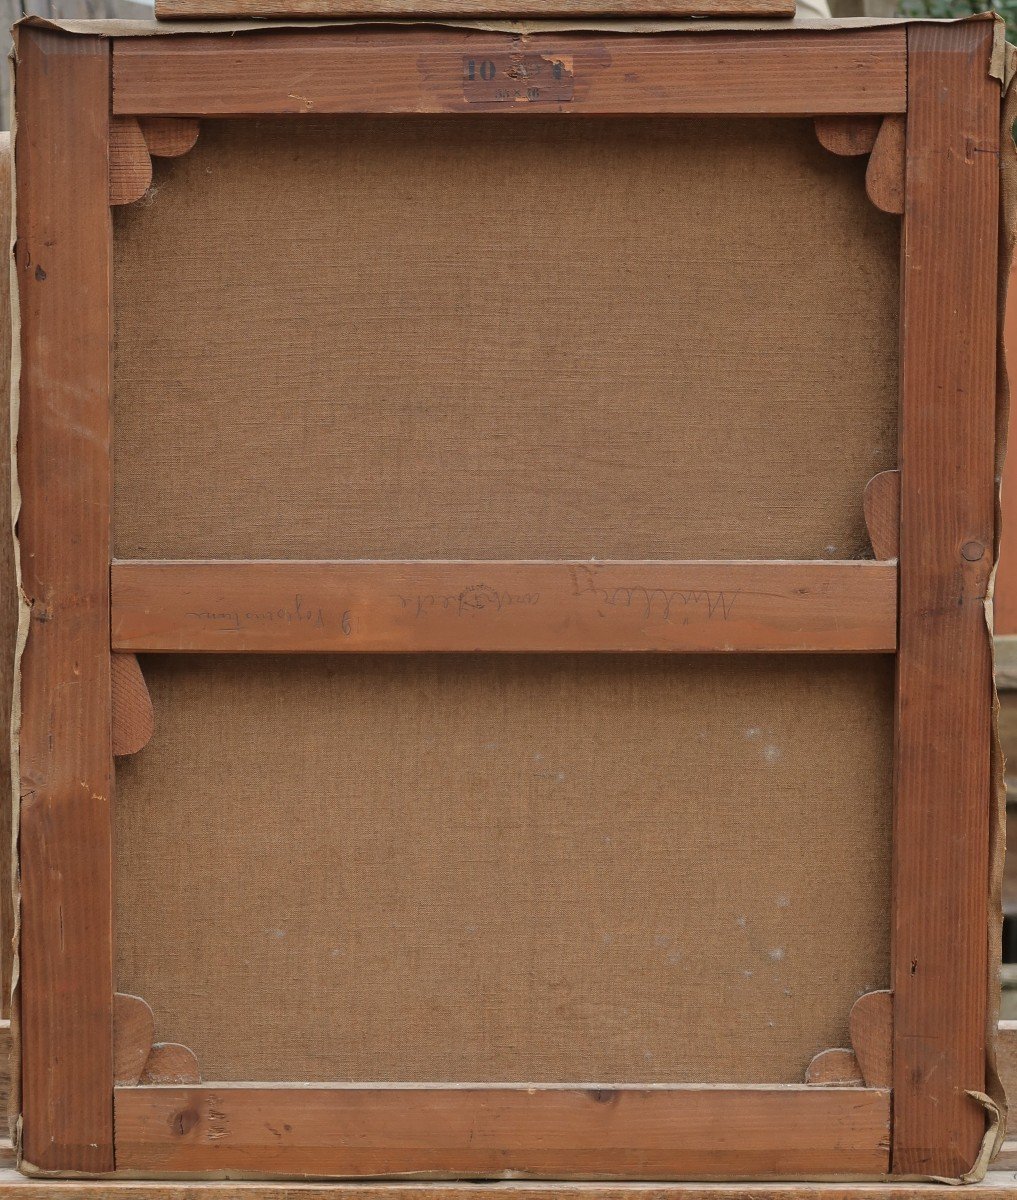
[[203, 10], [925, 1046]]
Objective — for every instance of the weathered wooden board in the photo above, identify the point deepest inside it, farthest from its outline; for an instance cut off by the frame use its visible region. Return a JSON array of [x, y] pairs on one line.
[[998, 1185], [943, 794], [628, 1132], [430, 71], [552, 606], [287, 9], [63, 260]]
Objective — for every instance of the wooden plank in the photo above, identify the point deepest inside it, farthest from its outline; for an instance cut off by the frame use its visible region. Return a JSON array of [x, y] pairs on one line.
[[997, 1185], [1006, 657], [944, 685], [63, 269], [1006, 1060], [429, 71], [349, 9], [539, 1130], [276, 607], [5, 1064], [7, 1154], [8, 590], [1005, 595], [1006, 1160]]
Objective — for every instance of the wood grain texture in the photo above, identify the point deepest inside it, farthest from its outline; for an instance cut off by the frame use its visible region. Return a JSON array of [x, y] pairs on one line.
[[169, 137], [884, 176], [628, 1132], [8, 592], [1006, 1059], [133, 1032], [870, 1024], [8, 1156], [1004, 600], [881, 504], [835, 1068], [847, 136], [6, 1049], [133, 716], [414, 606], [169, 1062], [997, 1185], [944, 682], [285, 9], [426, 71], [1006, 1160], [63, 257], [130, 164]]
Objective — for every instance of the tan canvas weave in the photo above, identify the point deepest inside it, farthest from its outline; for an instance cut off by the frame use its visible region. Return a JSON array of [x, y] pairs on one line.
[[477, 338], [507, 868], [483, 337]]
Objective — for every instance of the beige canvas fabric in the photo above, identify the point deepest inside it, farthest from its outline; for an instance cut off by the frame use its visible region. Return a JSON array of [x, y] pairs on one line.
[[437, 338], [510, 868], [483, 868]]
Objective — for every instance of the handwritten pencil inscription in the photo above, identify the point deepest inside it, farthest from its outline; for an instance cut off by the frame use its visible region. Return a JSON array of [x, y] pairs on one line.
[[477, 598], [299, 612], [673, 605]]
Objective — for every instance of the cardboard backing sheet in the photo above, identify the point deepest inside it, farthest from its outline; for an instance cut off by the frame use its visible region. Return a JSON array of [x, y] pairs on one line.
[[500, 867]]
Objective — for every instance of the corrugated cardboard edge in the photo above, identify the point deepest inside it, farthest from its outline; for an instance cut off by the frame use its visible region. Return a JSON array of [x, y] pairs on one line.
[[1003, 67]]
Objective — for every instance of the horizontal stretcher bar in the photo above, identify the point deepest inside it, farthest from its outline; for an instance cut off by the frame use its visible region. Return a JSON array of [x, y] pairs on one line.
[[413, 71], [406, 606], [468, 1130]]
